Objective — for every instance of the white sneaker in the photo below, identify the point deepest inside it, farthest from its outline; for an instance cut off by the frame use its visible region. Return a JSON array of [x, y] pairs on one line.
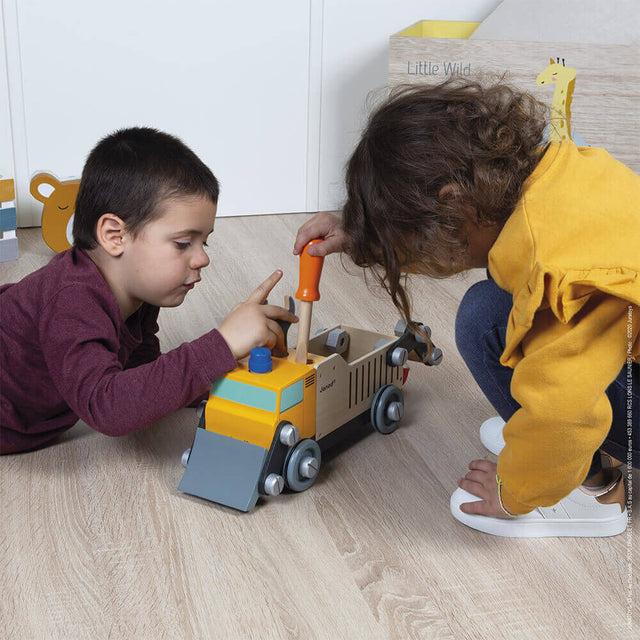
[[493, 440], [583, 513], [491, 434]]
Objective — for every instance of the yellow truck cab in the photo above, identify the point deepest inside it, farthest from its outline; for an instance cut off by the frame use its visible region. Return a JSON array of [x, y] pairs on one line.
[[266, 423], [252, 404]]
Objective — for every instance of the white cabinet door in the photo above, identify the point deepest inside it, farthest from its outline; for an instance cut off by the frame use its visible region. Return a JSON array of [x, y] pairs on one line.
[[229, 78], [6, 144]]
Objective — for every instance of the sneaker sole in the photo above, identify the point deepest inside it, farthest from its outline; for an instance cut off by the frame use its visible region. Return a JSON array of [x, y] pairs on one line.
[[524, 527]]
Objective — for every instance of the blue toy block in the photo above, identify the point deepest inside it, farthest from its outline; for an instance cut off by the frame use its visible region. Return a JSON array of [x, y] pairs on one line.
[[8, 219], [8, 249]]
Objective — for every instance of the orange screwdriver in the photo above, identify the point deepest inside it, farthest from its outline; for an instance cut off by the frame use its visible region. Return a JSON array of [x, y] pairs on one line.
[[307, 293]]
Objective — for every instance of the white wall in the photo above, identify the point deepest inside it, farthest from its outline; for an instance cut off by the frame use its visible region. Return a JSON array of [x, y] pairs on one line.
[[354, 70], [269, 94]]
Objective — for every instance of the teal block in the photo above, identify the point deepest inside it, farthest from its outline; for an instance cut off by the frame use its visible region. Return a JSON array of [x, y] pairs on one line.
[[291, 396], [246, 394], [8, 219]]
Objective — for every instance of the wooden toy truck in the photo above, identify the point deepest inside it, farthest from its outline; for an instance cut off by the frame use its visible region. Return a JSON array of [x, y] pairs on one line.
[[266, 423]]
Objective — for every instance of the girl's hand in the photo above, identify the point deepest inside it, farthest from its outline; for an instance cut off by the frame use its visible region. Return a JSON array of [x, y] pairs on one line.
[[322, 225], [481, 482], [253, 323]]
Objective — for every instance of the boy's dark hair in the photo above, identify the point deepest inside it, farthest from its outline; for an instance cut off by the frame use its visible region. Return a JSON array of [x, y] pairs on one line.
[[485, 140], [130, 173]]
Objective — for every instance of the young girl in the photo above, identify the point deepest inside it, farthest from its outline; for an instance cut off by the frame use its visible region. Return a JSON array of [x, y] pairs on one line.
[[457, 176]]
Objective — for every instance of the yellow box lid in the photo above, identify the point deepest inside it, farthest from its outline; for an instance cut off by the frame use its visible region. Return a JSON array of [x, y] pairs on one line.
[[439, 29]]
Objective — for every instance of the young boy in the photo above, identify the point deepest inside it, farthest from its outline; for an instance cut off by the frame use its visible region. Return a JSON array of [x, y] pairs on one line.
[[78, 337]]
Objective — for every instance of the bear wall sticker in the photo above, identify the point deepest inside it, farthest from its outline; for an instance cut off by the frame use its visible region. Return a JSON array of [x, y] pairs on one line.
[[59, 199]]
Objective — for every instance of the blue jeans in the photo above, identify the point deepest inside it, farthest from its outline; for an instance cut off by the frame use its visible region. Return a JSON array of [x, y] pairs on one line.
[[481, 327]]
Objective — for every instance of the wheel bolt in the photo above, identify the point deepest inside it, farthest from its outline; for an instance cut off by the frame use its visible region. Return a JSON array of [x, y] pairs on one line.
[[309, 467], [274, 484], [395, 411], [399, 356], [289, 435]]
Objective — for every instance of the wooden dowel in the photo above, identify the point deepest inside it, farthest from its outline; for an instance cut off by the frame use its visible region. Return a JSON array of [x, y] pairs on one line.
[[304, 328]]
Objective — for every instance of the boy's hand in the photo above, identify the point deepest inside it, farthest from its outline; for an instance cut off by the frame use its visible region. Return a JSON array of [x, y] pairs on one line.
[[322, 225], [481, 482], [253, 323]]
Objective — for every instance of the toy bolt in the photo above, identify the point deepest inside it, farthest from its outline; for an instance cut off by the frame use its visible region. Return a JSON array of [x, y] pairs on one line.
[[307, 293], [309, 467], [274, 484], [395, 411], [436, 357], [398, 356], [289, 435]]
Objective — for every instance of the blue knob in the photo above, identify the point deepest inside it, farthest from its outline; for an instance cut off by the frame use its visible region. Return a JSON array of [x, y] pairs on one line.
[[260, 360]]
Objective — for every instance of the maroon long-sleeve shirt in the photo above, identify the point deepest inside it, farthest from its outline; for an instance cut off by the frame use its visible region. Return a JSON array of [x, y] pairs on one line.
[[67, 354]]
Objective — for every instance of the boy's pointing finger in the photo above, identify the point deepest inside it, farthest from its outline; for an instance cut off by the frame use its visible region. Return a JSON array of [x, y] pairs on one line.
[[264, 289]]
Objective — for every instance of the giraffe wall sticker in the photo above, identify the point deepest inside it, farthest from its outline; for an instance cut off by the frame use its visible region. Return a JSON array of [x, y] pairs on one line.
[[563, 79]]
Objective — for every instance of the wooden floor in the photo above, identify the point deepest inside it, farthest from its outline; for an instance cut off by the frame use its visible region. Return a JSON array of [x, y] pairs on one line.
[[97, 542]]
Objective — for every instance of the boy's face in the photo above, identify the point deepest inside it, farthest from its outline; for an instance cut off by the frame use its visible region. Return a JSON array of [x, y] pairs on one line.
[[162, 263]]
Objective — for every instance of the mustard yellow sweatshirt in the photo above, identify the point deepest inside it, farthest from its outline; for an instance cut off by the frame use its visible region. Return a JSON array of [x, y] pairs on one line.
[[570, 256]]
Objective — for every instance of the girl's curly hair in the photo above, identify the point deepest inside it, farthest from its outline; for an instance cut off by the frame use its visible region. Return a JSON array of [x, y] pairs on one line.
[[485, 139]]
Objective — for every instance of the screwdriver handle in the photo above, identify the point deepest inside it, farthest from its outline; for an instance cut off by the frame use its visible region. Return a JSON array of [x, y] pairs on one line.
[[310, 270], [308, 292]]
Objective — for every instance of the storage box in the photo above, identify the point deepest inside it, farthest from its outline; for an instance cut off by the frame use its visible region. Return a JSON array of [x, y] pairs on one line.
[[602, 97]]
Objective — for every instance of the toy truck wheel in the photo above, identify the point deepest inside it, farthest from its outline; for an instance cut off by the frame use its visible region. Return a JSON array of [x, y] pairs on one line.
[[387, 409], [302, 465]]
